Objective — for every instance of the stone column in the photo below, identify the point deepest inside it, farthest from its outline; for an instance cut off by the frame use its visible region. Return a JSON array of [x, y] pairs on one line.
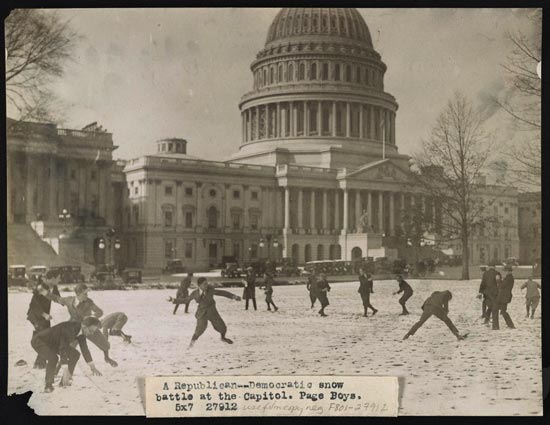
[[346, 210], [312, 210], [319, 117], [392, 214], [361, 108], [306, 121], [300, 208], [52, 207], [278, 121], [381, 212], [287, 207], [357, 208], [266, 121], [333, 119], [348, 119], [393, 128], [257, 122], [373, 123], [29, 192], [325, 210], [369, 209], [337, 209]]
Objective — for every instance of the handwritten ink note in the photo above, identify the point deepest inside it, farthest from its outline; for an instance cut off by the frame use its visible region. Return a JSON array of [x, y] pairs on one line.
[[200, 396]]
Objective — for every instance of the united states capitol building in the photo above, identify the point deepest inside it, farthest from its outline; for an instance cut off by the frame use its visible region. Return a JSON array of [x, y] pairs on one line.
[[318, 174]]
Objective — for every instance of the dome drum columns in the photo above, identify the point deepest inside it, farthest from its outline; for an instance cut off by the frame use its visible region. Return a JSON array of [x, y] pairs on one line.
[[318, 118]]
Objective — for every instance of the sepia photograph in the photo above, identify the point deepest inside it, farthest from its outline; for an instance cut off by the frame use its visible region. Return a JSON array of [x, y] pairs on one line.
[[337, 210]]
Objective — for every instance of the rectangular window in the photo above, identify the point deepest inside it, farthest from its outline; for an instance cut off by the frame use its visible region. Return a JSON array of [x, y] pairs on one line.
[[188, 219], [188, 250], [236, 219], [168, 190], [253, 251], [236, 250], [168, 218], [136, 190], [254, 195], [254, 222], [236, 194], [188, 191], [337, 72], [168, 249]]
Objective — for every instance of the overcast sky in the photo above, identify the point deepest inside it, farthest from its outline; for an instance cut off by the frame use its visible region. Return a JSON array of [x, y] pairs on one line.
[[149, 74]]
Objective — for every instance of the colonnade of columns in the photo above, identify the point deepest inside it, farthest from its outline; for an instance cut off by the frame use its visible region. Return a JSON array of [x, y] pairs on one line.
[[318, 118], [345, 210]]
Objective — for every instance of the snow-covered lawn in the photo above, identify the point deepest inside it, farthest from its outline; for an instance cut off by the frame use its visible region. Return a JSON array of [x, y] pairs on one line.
[[490, 373]]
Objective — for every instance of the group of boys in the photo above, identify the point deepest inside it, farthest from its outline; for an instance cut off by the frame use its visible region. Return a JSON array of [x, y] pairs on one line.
[[55, 345]]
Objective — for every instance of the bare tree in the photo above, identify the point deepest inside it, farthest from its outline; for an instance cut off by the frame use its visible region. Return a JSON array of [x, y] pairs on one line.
[[38, 44], [450, 168], [523, 103]]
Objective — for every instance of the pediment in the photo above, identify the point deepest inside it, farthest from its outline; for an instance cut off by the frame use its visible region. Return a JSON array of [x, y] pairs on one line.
[[384, 170]]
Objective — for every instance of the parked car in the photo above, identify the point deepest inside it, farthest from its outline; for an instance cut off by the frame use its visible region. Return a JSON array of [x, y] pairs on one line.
[[17, 275], [174, 266], [131, 276], [71, 274], [37, 271], [288, 268], [53, 272], [232, 270]]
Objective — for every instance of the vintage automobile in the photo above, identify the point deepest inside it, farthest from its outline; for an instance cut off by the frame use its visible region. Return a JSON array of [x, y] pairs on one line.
[[400, 266], [53, 272], [71, 274], [288, 268], [174, 266], [17, 275], [131, 276], [37, 271], [232, 270]]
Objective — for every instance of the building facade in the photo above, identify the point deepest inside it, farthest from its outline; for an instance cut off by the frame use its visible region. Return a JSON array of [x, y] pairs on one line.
[[530, 227], [318, 174], [318, 169], [61, 182]]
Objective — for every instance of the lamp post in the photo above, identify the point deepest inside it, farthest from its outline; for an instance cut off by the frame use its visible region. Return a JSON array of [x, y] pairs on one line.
[[64, 215], [111, 244], [268, 241]]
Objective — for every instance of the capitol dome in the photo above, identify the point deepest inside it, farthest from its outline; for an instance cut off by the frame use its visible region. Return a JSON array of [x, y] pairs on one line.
[[318, 86], [291, 23]]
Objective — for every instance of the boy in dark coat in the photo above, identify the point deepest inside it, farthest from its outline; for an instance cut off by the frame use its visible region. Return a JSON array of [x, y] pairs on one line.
[[268, 284], [323, 288], [206, 311], [365, 289], [183, 291], [532, 296], [39, 314], [504, 297], [249, 292], [55, 345], [407, 291], [489, 289], [311, 286], [437, 304]]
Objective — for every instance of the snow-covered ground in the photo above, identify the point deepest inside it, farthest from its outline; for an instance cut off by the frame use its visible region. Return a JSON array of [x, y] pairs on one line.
[[490, 373]]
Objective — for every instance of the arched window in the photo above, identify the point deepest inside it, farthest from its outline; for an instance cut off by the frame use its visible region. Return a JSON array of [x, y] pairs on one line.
[[300, 119], [320, 252], [264, 81], [307, 253], [290, 74], [295, 252], [313, 71], [301, 72], [358, 75], [348, 74], [212, 215], [271, 76], [325, 121], [280, 74], [313, 119], [336, 72], [367, 79]]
